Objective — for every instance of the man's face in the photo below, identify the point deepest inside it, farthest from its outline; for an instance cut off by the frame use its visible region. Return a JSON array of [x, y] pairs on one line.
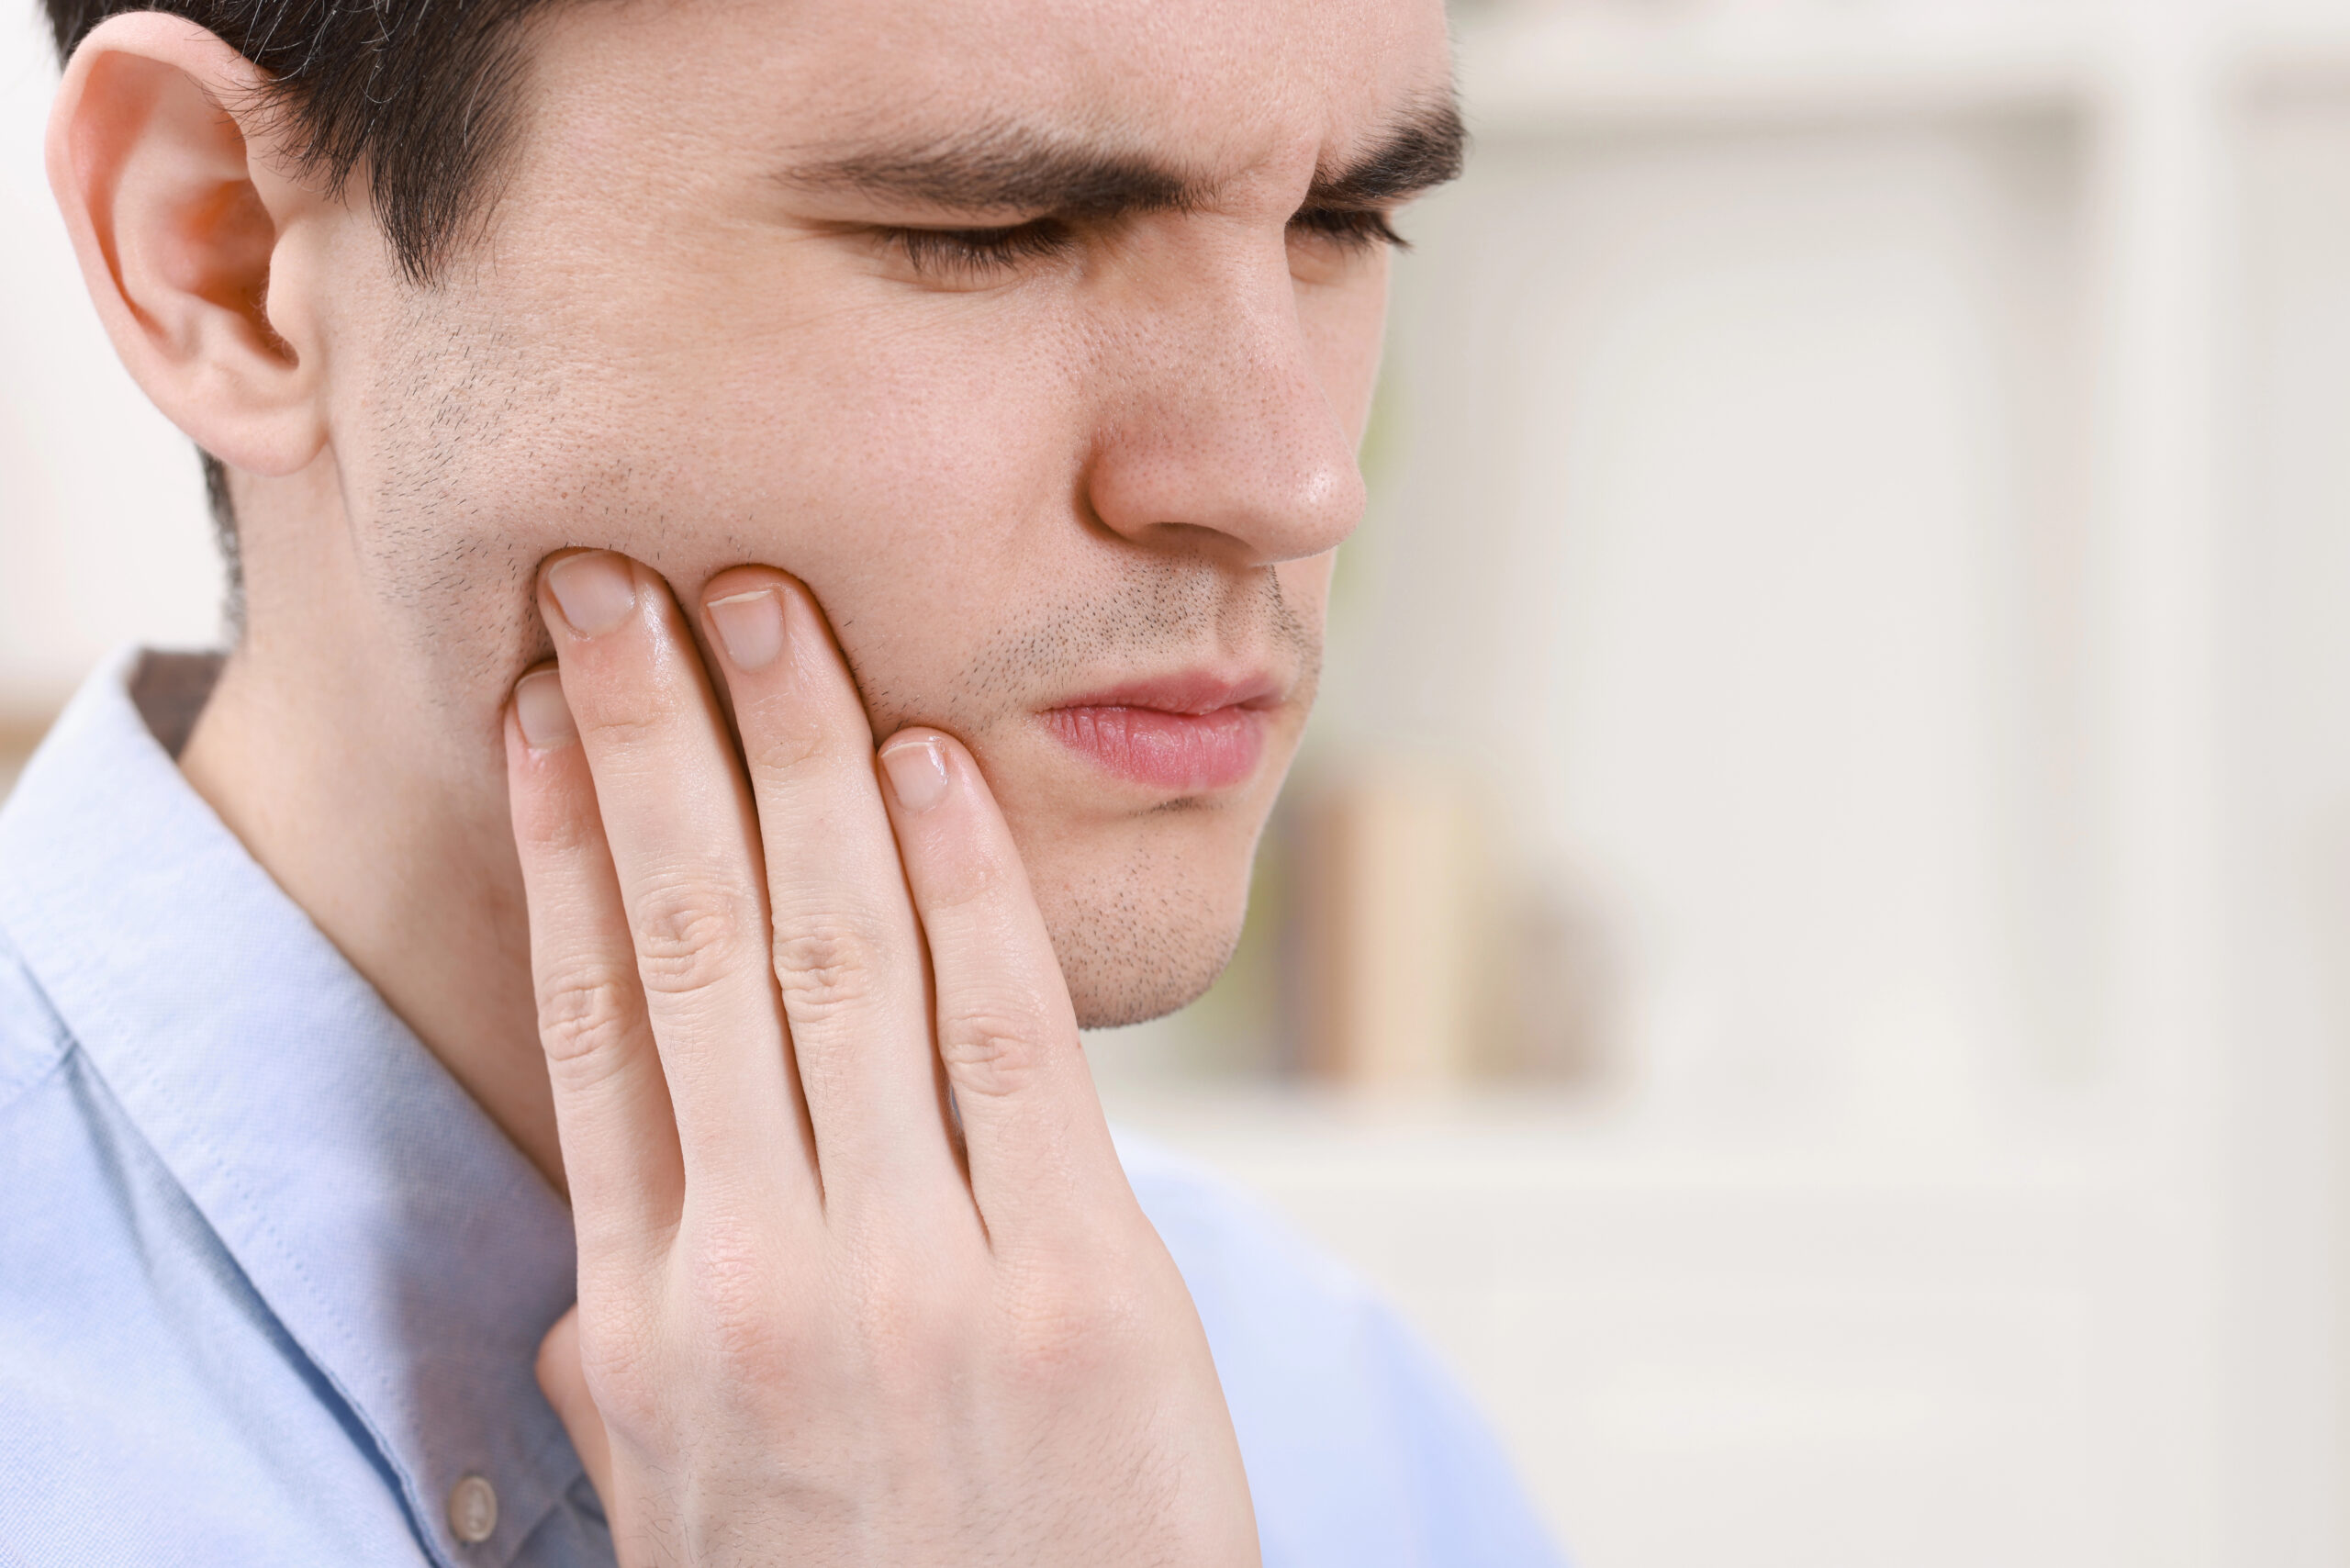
[[1065, 464]]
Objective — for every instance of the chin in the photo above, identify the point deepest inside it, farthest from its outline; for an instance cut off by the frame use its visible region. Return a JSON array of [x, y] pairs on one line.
[[1136, 942]]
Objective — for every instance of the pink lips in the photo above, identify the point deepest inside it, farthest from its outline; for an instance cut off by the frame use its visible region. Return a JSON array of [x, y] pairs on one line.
[[1187, 735]]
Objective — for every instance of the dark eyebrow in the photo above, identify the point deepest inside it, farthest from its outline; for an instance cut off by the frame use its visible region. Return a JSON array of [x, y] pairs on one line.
[[1017, 170], [1423, 152], [1006, 170]]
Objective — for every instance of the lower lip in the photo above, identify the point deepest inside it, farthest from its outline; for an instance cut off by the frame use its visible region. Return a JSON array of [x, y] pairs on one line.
[[1183, 754]]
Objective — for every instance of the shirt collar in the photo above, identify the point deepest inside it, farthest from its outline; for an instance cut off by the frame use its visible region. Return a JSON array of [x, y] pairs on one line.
[[402, 1241]]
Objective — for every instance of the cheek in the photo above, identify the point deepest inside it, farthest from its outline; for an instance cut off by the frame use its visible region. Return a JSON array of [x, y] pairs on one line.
[[874, 438], [886, 457], [1344, 326], [914, 460], [1306, 588], [817, 415]]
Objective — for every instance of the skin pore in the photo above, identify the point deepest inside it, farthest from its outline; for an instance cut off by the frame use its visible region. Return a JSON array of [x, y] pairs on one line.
[[1034, 336]]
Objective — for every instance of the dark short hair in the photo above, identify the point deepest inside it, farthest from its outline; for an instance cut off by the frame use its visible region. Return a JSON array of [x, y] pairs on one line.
[[418, 96]]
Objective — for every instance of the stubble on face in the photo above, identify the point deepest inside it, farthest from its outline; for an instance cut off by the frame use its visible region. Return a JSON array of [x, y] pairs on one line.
[[1144, 908], [922, 470]]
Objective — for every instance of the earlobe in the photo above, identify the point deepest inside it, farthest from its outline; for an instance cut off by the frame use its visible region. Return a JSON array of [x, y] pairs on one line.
[[178, 220]]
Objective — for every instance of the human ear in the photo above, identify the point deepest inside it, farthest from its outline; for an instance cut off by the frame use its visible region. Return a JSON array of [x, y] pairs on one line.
[[178, 218]]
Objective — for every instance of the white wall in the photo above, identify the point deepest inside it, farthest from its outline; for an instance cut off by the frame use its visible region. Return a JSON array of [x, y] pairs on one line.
[[103, 532], [1734, 524]]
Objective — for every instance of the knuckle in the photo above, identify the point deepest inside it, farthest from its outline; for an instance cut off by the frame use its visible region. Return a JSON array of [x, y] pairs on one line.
[[826, 966], [1061, 1331], [617, 1359], [687, 936], [549, 829], [620, 1364], [991, 1051], [621, 730], [788, 746], [740, 1304], [976, 876], [585, 1017]]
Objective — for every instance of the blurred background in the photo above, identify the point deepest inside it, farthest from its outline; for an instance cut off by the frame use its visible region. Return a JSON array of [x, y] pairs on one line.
[[1807, 949]]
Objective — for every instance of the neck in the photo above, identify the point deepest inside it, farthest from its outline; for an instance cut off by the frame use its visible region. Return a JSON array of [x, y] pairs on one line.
[[380, 809]]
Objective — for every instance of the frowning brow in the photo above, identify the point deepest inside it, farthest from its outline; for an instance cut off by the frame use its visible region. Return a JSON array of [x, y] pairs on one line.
[[1421, 153], [1003, 171], [1021, 171]]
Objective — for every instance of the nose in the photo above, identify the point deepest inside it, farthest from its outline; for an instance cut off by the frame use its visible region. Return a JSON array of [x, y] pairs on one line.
[[1222, 433]]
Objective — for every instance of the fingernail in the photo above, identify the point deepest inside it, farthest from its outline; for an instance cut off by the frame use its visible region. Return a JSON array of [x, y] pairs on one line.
[[917, 772], [751, 626], [593, 589], [539, 708]]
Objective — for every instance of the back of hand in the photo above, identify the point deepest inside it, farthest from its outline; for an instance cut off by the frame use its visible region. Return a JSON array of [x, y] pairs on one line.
[[860, 1278]]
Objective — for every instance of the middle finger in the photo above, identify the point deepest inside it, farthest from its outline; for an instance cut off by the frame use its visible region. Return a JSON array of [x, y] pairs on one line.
[[849, 949], [685, 848]]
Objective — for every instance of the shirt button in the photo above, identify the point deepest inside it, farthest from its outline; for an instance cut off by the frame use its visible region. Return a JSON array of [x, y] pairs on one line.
[[473, 1510]]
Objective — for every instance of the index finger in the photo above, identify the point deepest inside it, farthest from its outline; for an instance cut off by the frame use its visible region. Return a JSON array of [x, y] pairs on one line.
[[621, 1158]]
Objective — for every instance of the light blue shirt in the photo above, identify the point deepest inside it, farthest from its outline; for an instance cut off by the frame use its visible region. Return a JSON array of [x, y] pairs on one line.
[[270, 1284]]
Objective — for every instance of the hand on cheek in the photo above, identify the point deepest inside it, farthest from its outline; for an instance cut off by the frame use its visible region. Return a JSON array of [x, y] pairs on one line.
[[824, 1312]]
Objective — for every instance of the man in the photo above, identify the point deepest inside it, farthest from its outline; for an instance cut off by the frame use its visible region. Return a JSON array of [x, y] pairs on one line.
[[917, 434]]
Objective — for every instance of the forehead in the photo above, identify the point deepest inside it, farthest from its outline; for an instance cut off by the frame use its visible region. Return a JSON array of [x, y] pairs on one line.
[[1215, 85]]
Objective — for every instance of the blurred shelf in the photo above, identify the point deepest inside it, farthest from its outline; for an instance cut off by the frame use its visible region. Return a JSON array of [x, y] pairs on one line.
[[1284, 1137], [1650, 1314], [25, 717], [2292, 55], [1573, 72], [1563, 75], [22, 725]]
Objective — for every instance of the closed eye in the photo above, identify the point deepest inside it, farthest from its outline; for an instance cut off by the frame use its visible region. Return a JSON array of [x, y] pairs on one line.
[[1353, 229], [978, 255], [986, 255]]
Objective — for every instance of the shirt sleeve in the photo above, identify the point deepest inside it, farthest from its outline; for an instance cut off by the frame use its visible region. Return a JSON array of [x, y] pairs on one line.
[[1362, 1450]]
